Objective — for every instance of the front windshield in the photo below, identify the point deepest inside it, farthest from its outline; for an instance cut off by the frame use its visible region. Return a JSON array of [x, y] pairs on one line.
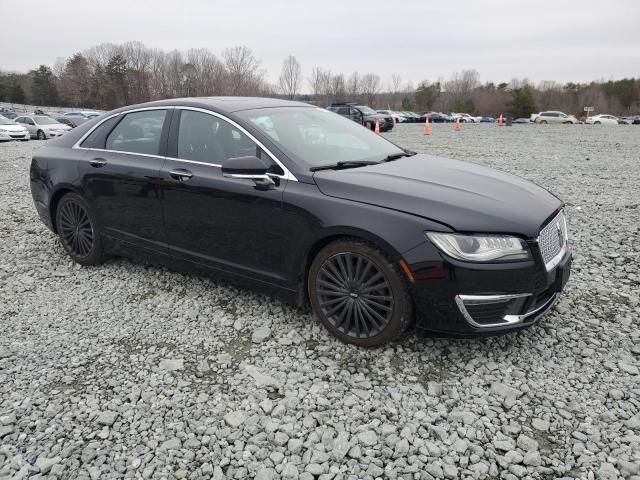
[[366, 110], [316, 137], [6, 121], [45, 120]]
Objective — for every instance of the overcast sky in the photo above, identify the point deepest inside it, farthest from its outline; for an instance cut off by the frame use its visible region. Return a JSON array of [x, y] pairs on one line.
[[418, 39]]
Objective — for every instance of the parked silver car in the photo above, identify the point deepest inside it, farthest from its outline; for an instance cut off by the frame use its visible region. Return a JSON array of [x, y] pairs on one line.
[[10, 130], [42, 127], [553, 117]]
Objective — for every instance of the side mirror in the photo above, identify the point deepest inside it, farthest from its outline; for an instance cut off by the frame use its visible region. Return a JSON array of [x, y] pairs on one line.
[[250, 168]]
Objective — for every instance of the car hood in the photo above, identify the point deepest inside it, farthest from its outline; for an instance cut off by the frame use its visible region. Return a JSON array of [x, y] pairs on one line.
[[13, 128], [464, 196], [56, 126]]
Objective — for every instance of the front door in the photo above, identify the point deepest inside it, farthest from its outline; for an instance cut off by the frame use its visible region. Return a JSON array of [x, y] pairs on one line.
[[221, 223], [120, 177]]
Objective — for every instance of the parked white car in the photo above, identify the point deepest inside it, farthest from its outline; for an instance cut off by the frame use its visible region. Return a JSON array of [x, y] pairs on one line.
[[10, 130], [553, 116], [602, 119], [465, 117], [42, 127]]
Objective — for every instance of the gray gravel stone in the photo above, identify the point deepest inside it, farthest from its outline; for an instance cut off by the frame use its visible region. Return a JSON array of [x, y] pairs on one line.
[[261, 334], [368, 438], [234, 419]]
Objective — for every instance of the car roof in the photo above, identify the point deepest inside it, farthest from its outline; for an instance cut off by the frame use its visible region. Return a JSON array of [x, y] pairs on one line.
[[223, 104]]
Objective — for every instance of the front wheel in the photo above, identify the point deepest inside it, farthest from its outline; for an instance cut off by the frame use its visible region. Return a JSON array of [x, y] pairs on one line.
[[597, 123], [77, 229], [543, 122], [40, 135], [359, 295]]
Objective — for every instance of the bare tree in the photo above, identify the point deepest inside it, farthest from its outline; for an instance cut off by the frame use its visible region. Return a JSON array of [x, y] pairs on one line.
[[354, 86], [242, 68], [370, 87], [396, 82], [290, 77]]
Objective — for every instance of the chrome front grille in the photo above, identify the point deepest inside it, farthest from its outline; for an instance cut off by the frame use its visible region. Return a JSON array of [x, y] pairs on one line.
[[553, 239]]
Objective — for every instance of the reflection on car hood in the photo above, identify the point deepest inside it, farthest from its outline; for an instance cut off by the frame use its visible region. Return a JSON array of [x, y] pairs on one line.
[[465, 196], [13, 128]]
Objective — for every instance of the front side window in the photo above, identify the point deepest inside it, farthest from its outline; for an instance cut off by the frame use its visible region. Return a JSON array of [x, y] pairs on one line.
[[210, 139], [28, 121], [138, 132], [314, 137]]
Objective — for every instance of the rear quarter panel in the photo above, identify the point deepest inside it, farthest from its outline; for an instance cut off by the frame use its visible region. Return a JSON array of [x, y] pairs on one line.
[[54, 169]]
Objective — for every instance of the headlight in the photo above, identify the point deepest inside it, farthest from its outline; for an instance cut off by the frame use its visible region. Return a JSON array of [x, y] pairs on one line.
[[3, 130], [480, 248]]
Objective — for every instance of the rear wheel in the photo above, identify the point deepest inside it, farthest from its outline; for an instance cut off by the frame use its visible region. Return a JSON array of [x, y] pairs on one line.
[[77, 229], [359, 295], [41, 135]]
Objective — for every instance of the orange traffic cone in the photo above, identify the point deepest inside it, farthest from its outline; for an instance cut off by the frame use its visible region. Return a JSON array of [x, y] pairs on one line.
[[500, 121], [427, 127], [456, 127], [377, 127]]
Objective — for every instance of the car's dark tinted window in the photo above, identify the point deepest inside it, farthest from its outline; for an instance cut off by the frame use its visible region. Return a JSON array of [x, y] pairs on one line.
[[343, 110], [19, 120], [207, 138], [138, 132], [97, 138]]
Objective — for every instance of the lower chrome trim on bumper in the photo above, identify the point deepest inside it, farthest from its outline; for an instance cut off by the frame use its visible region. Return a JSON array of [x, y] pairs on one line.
[[507, 320]]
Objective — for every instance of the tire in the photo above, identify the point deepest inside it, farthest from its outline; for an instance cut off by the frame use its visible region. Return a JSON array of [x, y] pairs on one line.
[[77, 229], [40, 135], [597, 123], [359, 295], [543, 122]]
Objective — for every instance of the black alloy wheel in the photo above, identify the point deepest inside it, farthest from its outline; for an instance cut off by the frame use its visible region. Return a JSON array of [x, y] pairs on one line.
[[358, 294], [76, 228]]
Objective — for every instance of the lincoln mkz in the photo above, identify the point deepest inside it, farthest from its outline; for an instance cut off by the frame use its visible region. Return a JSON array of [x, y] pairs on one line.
[[302, 204]]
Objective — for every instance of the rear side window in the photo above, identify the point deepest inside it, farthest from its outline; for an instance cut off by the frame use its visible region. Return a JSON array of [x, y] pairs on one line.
[[138, 132], [97, 138]]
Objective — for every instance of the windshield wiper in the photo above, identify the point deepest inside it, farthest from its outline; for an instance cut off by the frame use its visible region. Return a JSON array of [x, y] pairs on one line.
[[395, 156], [346, 164]]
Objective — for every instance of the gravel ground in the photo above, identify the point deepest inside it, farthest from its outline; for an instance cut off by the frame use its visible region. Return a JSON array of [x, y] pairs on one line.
[[125, 370]]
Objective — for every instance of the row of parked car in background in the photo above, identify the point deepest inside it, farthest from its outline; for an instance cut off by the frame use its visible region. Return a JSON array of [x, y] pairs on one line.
[[39, 125]]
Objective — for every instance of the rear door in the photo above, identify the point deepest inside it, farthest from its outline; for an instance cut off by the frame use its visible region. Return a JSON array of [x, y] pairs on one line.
[[120, 176]]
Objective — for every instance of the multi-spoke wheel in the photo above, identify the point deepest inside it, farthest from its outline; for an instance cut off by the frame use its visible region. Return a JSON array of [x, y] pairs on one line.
[[77, 230], [358, 294]]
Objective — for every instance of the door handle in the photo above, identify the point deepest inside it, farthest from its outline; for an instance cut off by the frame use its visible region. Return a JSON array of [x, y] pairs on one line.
[[98, 162], [180, 174]]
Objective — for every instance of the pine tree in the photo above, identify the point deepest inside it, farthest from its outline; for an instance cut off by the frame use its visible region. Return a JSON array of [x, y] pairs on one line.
[[44, 86], [521, 103]]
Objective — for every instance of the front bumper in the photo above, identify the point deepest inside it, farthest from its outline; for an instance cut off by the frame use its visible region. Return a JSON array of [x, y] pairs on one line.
[[483, 299], [14, 136]]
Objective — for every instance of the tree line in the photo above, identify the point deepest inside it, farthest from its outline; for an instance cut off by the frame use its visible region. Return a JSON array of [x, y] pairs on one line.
[[108, 76]]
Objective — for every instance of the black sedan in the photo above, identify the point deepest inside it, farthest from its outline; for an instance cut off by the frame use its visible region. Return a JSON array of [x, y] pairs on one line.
[[300, 203]]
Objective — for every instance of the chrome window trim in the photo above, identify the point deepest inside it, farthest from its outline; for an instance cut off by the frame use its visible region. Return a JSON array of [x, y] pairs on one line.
[[120, 151], [287, 174]]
